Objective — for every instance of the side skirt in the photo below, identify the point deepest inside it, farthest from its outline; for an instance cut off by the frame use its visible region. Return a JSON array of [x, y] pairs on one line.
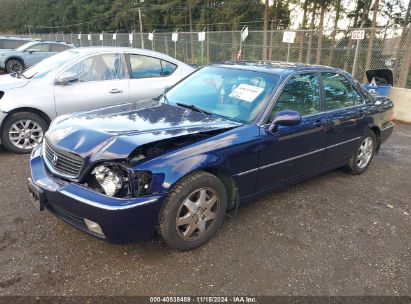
[[292, 182]]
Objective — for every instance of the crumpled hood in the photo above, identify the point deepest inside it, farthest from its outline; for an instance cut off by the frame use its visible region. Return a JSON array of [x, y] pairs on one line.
[[10, 82], [115, 132]]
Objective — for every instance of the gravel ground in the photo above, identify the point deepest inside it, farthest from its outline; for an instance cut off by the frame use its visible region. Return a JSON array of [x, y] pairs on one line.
[[336, 234]]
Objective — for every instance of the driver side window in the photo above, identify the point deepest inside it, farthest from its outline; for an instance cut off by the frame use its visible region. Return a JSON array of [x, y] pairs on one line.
[[100, 67], [301, 94]]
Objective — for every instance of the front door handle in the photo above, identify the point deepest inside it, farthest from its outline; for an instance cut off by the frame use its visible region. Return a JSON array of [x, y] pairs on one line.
[[116, 91]]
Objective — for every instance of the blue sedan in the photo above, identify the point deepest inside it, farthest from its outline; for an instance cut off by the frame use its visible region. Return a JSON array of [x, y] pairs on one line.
[[179, 164]]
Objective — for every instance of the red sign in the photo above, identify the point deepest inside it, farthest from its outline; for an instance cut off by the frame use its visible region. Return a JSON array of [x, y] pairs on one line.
[[358, 34]]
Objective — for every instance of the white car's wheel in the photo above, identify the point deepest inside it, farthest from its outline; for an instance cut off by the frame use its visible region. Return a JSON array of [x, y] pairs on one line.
[[21, 132]]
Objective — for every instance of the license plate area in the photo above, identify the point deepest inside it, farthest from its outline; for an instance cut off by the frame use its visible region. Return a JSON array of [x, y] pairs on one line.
[[36, 195]]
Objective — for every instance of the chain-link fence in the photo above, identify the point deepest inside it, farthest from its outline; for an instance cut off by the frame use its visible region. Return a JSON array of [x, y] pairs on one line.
[[381, 48]]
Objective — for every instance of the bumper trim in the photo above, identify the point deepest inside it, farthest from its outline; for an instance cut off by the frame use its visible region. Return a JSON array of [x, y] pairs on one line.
[[388, 126], [103, 206]]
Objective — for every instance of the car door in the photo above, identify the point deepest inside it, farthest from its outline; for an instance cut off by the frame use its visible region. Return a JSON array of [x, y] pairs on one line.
[[291, 152], [96, 81], [345, 108], [149, 76], [36, 53]]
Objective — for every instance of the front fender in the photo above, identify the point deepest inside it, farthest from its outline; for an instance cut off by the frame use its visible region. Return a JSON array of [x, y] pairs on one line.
[[230, 152]]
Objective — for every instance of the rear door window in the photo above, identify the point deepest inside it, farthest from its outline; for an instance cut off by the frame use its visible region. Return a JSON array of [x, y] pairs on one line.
[[339, 92], [168, 67], [145, 66], [55, 47]]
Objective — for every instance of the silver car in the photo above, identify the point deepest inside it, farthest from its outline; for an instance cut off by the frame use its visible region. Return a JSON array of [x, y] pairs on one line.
[[79, 79], [27, 55]]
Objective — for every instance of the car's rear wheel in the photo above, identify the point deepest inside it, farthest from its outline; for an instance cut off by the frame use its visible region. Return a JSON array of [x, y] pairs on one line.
[[363, 155], [14, 66], [21, 132], [193, 211]]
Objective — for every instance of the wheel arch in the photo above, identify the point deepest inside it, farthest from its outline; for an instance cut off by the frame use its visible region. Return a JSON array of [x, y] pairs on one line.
[[30, 110], [228, 182], [377, 132], [222, 175], [15, 58]]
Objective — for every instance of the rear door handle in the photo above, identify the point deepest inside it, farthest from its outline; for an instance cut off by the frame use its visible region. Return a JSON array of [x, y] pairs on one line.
[[116, 91]]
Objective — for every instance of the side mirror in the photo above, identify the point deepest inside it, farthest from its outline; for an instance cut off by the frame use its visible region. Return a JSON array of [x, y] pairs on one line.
[[66, 78], [285, 118]]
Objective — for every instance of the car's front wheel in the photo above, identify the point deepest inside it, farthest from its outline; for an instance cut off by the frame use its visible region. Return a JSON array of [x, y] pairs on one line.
[[14, 66], [364, 153], [193, 211], [21, 132]]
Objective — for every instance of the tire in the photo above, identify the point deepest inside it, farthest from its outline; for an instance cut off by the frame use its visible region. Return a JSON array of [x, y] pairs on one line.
[[363, 154], [185, 234], [14, 65], [29, 127]]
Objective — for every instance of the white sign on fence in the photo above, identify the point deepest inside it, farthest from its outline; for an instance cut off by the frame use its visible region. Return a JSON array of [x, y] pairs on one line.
[[79, 36], [357, 34], [289, 37], [130, 38], [114, 36], [89, 37], [174, 37], [101, 37], [150, 36], [201, 36], [244, 34]]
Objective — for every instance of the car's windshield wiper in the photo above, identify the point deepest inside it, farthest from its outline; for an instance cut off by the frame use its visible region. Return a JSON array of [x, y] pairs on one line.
[[18, 75], [165, 98], [193, 108]]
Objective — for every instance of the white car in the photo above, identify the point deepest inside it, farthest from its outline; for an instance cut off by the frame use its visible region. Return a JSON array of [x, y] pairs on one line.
[[79, 79]]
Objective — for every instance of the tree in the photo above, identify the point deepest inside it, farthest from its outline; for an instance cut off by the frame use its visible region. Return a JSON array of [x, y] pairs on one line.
[[323, 6], [372, 37], [303, 27], [337, 5], [310, 37]]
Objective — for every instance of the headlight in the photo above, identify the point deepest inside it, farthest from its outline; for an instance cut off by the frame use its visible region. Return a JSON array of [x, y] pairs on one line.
[[110, 181]]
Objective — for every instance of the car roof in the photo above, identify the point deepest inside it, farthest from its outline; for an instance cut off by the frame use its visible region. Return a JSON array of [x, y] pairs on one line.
[[52, 41], [119, 49], [15, 38], [274, 67]]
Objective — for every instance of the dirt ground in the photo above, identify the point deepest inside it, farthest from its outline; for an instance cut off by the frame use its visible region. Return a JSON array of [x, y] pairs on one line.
[[336, 234]]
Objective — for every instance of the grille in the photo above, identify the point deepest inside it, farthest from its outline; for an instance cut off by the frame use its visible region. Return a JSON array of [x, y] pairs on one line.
[[63, 163]]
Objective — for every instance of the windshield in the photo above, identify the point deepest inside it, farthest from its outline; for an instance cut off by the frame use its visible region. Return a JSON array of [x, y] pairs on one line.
[[25, 46], [44, 67], [234, 94]]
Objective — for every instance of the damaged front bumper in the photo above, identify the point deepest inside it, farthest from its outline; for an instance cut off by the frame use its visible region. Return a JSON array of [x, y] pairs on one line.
[[121, 220]]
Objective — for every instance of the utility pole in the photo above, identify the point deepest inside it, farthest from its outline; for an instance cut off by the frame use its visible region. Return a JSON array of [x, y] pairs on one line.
[[265, 30], [141, 28]]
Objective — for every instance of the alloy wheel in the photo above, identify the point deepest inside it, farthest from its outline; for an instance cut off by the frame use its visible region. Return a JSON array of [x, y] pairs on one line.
[[15, 67], [26, 134], [365, 152], [197, 214]]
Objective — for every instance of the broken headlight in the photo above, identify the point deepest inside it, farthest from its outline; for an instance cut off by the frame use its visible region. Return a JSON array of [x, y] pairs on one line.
[[110, 180], [117, 181]]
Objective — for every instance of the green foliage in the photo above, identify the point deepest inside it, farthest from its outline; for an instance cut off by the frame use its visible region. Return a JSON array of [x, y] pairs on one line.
[[122, 15]]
